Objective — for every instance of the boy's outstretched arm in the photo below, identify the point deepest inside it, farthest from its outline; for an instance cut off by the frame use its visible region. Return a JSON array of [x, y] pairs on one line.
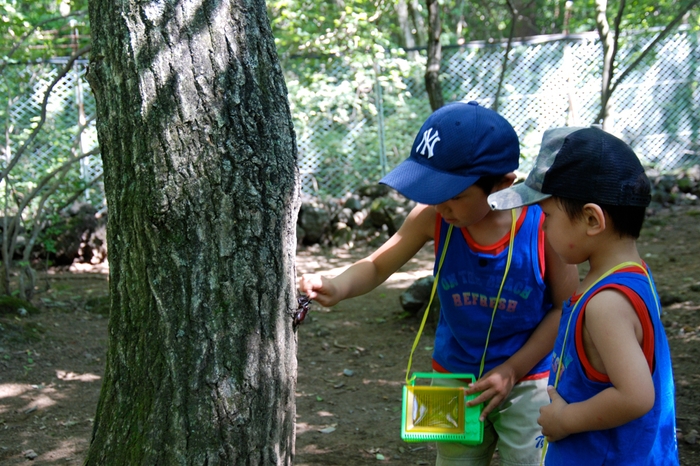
[[612, 337], [368, 273], [496, 384]]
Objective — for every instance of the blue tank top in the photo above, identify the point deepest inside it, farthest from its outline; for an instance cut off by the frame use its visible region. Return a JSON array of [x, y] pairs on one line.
[[468, 285], [648, 440]]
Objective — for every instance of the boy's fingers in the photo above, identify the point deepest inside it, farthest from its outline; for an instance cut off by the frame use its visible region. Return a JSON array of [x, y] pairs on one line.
[[309, 285], [553, 394], [478, 386], [487, 409], [479, 399], [489, 396], [485, 386]]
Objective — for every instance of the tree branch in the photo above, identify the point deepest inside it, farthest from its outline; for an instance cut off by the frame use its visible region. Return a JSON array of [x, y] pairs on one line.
[[616, 37], [691, 4], [26, 35], [18, 154], [504, 67], [608, 48], [432, 72], [75, 195], [14, 223]]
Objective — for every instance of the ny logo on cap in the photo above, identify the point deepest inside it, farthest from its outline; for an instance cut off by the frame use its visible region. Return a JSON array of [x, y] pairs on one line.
[[428, 142]]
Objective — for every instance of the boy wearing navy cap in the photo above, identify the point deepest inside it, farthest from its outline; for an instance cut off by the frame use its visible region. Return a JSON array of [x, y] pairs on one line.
[[612, 392], [499, 327]]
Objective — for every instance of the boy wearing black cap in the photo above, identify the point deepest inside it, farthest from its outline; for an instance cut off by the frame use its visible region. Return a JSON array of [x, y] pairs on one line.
[[611, 381], [501, 328]]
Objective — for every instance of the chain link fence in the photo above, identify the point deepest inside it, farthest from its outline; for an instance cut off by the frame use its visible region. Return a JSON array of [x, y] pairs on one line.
[[355, 119], [549, 81]]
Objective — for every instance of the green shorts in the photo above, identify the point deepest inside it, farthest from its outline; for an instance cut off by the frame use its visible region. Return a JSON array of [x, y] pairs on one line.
[[511, 428]]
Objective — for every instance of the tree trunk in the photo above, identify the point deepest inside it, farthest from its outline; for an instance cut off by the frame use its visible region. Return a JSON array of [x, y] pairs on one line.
[[610, 45], [414, 12], [432, 72], [201, 182], [607, 40], [405, 26], [504, 66], [524, 14]]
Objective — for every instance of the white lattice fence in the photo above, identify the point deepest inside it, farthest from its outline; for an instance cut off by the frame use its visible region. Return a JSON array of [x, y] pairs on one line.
[[67, 132]]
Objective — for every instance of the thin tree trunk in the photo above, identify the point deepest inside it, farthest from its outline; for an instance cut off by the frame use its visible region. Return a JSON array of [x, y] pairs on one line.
[[682, 12], [504, 66], [202, 189], [525, 15], [417, 20], [432, 72], [405, 26], [609, 42], [610, 46]]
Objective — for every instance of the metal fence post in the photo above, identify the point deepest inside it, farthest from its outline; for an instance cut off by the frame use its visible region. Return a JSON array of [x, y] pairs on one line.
[[380, 119]]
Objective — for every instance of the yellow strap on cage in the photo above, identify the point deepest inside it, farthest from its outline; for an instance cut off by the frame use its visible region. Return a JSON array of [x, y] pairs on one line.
[[432, 295], [612, 270], [430, 302], [500, 289]]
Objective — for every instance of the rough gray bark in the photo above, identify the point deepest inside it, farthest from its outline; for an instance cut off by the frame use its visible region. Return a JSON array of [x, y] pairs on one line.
[[200, 176]]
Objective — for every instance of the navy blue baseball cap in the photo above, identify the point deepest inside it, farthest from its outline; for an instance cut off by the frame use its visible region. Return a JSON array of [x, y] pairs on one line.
[[458, 144]]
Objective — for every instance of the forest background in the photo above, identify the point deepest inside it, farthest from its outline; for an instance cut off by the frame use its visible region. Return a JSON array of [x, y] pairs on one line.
[[360, 33], [364, 56]]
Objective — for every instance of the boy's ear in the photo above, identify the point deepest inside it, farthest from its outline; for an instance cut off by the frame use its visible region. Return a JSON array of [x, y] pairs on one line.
[[505, 182], [594, 217]]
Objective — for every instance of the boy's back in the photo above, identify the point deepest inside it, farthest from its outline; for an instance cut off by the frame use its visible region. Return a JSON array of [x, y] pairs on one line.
[[644, 440]]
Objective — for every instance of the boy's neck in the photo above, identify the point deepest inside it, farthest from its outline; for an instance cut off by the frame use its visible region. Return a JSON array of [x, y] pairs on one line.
[[608, 253], [493, 227]]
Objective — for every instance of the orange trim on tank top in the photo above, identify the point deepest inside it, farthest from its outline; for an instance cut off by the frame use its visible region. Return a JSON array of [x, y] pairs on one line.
[[500, 245], [645, 320]]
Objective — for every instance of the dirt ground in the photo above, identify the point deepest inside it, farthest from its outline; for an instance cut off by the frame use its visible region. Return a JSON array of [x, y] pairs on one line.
[[352, 359]]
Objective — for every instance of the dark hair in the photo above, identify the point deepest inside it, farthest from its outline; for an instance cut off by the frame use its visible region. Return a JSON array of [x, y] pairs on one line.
[[626, 220], [486, 183]]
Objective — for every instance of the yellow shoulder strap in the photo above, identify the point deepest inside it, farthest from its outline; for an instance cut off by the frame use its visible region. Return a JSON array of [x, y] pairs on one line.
[[430, 302]]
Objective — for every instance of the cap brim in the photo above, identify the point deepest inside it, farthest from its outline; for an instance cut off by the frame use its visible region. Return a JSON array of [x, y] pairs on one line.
[[515, 196], [424, 184]]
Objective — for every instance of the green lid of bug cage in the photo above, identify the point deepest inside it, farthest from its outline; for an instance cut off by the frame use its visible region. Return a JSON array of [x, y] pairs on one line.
[[440, 414]]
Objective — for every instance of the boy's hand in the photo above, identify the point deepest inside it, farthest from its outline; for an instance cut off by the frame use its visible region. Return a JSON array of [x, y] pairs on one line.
[[320, 289], [552, 415], [495, 385]]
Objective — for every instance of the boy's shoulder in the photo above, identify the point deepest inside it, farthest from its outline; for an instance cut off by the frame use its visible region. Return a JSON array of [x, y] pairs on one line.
[[629, 274], [421, 221], [628, 289]]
